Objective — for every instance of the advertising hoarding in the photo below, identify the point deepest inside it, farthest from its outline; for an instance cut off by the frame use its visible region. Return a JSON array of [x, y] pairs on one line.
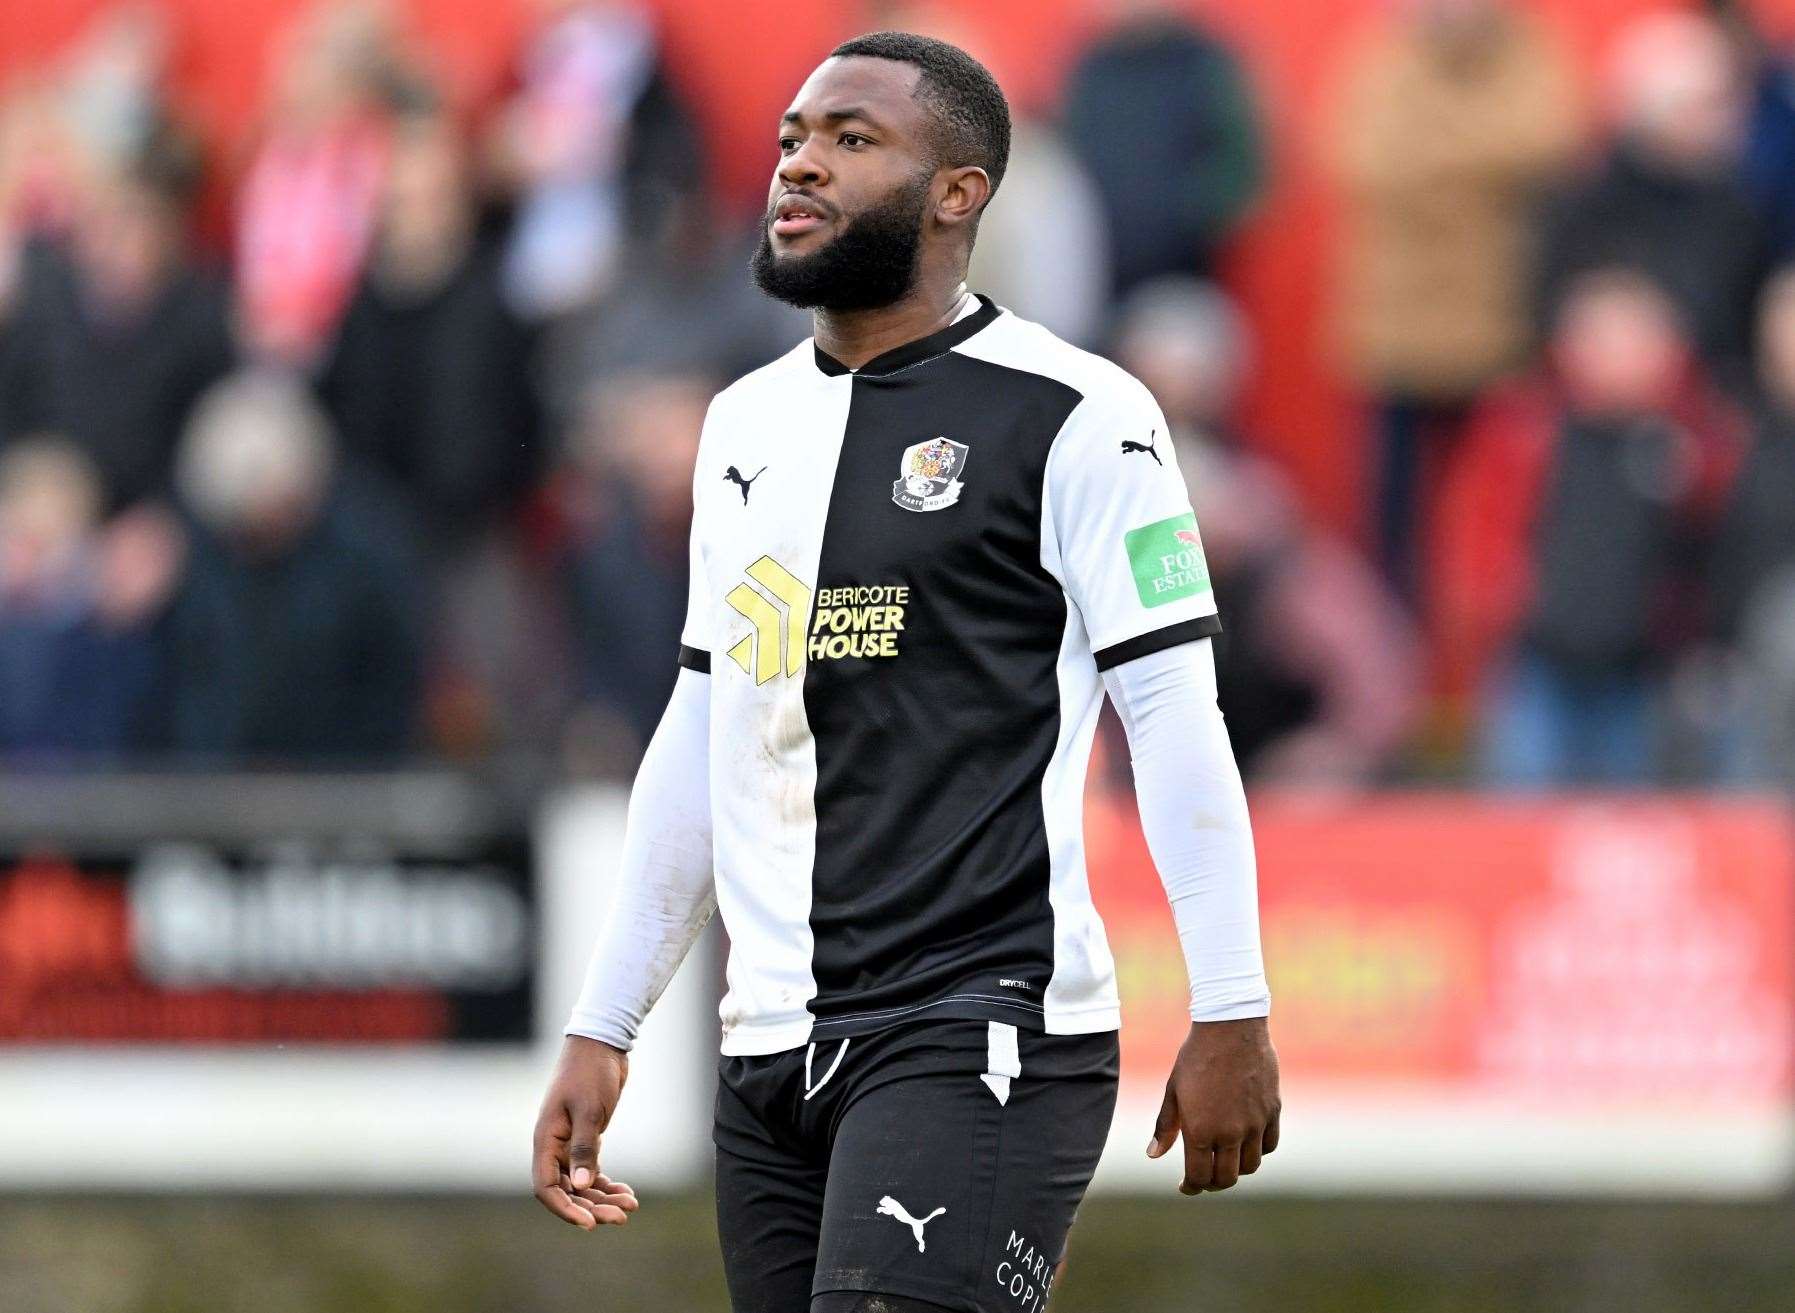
[[1494, 995]]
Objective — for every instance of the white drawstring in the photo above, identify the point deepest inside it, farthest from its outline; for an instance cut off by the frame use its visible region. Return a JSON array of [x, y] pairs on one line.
[[811, 1053]]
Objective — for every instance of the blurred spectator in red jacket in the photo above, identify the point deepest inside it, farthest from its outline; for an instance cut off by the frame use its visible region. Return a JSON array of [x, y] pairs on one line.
[[307, 206], [1455, 114], [1571, 536], [1668, 199], [1317, 661], [595, 142]]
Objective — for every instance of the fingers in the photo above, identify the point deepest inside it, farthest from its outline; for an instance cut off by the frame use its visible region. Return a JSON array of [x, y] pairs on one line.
[[1226, 1167], [548, 1171], [1199, 1163], [1165, 1129], [1250, 1153], [582, 1149], [1216, 1155], [607, 1192], [606, 1185], [547, 1161], [553, 1195], [607, 1202]]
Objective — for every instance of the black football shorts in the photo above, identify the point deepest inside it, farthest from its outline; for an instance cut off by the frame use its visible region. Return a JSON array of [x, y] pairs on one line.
[[939, 1161]]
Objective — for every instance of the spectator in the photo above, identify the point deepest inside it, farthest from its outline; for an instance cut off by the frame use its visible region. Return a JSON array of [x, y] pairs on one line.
[[1162, 117], [1455, 114], [38, 163], [1759, 538], [1317, 661], [307, 207], [39, 160], [1769, 156], [293, 635], [98, 109], [1668, 200], [429, 379], [1569, 537], [626, 483], [432, 384], [1754, 578], [1043, 248], [115, 335], [112, 90], [595, 140], [79, 651], [686, 308]]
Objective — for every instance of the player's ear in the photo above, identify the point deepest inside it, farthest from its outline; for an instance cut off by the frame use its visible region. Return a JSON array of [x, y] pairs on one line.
[[968, 188]]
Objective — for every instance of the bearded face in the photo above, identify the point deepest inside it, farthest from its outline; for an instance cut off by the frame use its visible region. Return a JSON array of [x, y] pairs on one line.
[[870, 262]]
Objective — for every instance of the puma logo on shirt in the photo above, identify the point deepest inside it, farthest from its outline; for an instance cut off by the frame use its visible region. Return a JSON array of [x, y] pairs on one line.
[[1147, 446], [892, 1208], [733, 475]]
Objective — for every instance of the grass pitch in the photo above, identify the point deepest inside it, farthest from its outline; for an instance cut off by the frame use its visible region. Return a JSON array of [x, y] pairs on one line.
[[128, 1254]]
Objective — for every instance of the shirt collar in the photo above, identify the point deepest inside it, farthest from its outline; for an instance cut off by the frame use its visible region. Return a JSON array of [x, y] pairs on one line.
[[978, 312]]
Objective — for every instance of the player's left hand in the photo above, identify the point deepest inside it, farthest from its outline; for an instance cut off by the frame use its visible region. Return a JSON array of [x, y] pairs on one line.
[[1223, 1097]]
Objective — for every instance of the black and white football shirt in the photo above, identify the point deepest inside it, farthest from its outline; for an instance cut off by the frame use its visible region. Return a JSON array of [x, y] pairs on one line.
[[905, 580]]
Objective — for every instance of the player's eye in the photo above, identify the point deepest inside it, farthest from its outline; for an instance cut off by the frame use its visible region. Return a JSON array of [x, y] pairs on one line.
[[787, 145], [854, 140]]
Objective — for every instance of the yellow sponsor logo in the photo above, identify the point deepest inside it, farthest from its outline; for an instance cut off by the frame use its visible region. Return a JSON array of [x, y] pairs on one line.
[[778, 614], [858, 622]]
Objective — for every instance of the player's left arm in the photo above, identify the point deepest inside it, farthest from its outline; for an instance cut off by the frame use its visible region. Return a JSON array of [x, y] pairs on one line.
[[1222, 1096], [1121, 537]]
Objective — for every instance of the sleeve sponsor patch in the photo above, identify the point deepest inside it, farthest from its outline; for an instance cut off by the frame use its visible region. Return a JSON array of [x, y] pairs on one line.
[[1167, 560]]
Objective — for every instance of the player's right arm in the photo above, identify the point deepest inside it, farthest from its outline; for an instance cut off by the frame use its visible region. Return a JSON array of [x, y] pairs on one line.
[[666, 895]]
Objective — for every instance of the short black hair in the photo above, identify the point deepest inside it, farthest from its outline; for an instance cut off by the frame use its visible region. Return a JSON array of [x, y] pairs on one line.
[[971, 114]]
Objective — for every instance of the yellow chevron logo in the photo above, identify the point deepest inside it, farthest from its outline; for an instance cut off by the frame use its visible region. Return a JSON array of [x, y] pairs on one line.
[[778, 615]]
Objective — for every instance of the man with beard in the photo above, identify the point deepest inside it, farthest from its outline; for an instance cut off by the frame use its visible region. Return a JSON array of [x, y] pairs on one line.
[[897, 640]]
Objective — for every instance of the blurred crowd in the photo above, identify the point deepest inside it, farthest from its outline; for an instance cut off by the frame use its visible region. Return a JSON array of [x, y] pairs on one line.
[[396, 465]]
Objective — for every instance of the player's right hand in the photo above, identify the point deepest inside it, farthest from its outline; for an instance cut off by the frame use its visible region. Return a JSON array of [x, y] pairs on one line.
[[582, 1095]]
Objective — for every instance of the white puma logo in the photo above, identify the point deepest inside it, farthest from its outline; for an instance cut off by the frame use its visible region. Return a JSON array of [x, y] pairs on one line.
[[892, 1208]]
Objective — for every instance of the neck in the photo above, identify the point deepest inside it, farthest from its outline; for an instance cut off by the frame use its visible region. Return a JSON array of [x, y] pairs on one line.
[[421, 261], [857, 336]]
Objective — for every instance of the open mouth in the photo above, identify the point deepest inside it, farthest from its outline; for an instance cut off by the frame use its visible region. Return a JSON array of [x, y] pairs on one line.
[[796, 214]]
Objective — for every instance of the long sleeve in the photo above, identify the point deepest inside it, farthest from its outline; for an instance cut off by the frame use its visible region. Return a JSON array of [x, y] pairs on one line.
[[665, 894], [1194, 813]]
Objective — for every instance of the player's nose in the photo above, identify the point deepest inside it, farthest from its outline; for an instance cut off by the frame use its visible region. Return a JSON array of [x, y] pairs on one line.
[[802, 168]]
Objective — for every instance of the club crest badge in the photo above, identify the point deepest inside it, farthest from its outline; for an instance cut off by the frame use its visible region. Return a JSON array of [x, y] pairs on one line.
[[930, 475]]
